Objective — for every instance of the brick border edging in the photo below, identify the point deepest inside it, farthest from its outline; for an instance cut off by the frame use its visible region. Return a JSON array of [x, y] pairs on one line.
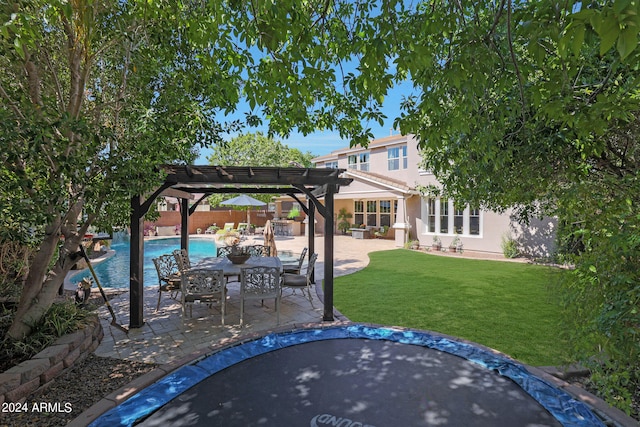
[[33, 376]]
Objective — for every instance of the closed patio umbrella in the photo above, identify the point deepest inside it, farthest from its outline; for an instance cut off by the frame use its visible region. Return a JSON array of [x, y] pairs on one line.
[[244, 200], [269, 238]]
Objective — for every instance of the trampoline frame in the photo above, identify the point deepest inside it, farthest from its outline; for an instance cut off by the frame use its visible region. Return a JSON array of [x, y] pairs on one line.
[[564, 407]]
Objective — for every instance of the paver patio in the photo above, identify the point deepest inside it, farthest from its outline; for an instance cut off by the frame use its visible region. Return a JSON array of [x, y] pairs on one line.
[[167, 337]]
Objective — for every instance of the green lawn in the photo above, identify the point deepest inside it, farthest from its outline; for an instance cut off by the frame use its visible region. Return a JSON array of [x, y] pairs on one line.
[[506, 306]]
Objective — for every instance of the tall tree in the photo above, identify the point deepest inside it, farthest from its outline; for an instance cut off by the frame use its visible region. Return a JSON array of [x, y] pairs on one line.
[[535, 106], [255, 150], [96, 94]]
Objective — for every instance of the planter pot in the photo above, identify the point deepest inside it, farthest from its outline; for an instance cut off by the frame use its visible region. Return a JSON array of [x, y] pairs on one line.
[[436, 247]]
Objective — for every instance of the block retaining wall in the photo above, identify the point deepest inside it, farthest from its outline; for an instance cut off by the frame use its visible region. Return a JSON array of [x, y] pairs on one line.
[[32, 377]]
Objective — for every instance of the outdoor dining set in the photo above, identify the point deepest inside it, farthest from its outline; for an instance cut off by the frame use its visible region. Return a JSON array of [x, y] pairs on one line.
[[259, 275]]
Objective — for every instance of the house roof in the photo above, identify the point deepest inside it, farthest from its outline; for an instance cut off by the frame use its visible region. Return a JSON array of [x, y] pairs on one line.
[[390, 183], [389, 140]]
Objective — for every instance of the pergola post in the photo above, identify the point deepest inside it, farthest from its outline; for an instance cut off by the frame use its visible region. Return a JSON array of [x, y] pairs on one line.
[[184, 225], [328, 254], [136, 267], [311, 228]]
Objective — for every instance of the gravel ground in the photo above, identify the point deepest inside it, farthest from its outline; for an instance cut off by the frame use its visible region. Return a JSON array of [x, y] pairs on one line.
[[75, 391]]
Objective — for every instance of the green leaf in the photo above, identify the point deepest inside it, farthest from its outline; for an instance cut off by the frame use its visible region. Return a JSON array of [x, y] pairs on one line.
[[18, 45], [627, 42], [578, 39], [609, 32], [620, 5]]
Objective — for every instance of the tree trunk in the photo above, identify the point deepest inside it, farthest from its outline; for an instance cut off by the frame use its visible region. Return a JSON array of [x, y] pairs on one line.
[[40, 289]]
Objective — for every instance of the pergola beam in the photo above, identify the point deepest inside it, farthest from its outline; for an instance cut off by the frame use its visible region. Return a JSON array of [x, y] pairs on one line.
[[230, 190]]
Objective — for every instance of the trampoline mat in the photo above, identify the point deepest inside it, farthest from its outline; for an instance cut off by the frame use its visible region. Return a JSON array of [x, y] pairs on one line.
[[353, 383]]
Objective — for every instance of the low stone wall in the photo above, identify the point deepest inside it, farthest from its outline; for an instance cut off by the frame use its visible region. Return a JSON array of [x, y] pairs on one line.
[[31, 377]]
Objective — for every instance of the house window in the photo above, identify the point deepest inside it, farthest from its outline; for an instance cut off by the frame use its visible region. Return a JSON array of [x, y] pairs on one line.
[[358, 209], [385, 213], [458, 221], [331, 165], [431, 215], [397, 156], [444, 216], [364, 162], [393, 158], [395, 211], [352, 161], [474, 222], [372, 213], [404, 157]]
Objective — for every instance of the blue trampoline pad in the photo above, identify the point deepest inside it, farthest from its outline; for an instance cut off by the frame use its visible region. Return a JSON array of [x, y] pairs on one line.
[[353, 376]]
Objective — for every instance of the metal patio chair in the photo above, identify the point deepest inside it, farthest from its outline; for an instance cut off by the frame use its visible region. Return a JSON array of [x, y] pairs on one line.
[[260, 283], [168, 276], [301, 281], [204, 286]]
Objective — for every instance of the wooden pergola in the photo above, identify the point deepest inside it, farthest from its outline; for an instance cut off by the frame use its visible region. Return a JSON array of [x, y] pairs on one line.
[[306, 185]]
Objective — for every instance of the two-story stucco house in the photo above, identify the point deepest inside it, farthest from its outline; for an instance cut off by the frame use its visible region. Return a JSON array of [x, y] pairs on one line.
[[386, 176]]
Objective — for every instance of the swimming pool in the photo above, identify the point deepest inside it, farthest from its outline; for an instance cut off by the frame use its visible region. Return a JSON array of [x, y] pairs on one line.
[[114, 272]]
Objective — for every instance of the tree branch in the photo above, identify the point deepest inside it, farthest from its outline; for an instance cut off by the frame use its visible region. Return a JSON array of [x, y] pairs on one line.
[[515, 61], [54, 74], [11, 103], [496, 20]]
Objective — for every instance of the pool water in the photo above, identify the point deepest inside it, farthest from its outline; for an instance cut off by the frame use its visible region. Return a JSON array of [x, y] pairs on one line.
[[114, 272]]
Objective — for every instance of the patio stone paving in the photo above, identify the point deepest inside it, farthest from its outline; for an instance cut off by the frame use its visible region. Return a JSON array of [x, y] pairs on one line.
[[166, 337]]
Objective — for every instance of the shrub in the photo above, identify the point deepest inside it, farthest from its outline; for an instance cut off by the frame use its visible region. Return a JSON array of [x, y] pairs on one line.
[[61, 319], [509, 247]]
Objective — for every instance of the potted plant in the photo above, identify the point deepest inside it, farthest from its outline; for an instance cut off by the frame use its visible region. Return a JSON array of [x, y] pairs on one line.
[[455, 244], [294, 213], [343, 220], [437, 244]]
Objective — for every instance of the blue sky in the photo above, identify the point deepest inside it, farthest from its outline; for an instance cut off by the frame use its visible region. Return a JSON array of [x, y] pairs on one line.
[[323, 142]]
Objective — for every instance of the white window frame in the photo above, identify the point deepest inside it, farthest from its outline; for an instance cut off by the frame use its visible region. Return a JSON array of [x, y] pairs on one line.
[[363, 160], [397, 158], [405, 161], [331, 165], [352, 161], [393, 158], [361, 210], [432, 220]]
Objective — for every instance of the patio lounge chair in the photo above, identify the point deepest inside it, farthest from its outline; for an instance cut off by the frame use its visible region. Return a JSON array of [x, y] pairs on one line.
[[168, 276], [243, 228], [301, 281]]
